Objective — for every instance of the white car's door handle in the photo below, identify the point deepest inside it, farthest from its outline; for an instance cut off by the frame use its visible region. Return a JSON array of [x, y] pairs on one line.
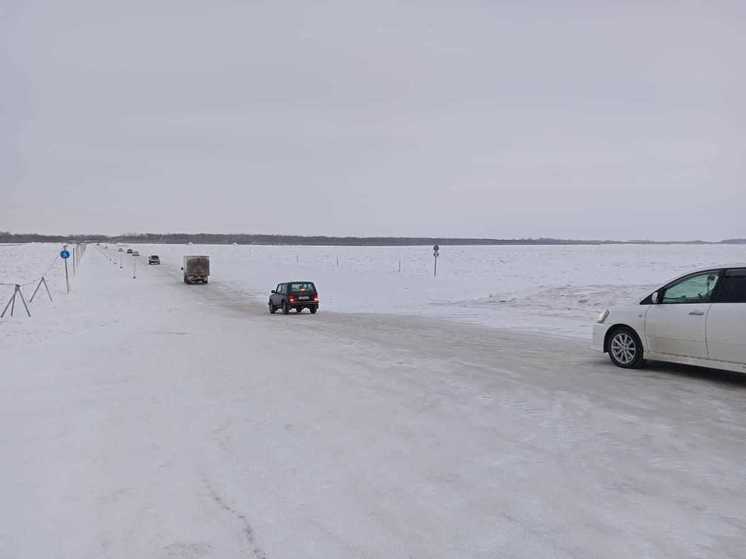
[[697, 313]]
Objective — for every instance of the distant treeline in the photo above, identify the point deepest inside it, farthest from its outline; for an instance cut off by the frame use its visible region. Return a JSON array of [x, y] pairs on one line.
[[248, 239]]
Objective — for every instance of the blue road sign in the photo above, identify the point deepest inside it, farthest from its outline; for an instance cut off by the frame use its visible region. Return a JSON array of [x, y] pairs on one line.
[[65, 254]]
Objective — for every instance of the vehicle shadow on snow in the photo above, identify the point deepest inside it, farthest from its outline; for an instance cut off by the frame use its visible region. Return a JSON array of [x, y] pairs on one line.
[[660, 370], [279, 313], [737, 380]]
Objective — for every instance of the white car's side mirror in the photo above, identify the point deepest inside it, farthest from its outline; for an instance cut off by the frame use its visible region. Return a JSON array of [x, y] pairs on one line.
[[655, 298]]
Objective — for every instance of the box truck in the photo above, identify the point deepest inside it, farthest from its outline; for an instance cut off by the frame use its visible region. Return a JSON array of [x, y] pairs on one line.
[[196, 269]]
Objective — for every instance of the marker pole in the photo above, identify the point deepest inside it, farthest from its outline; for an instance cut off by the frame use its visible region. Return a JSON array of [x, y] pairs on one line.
[[41, 281], [23, 300], [67, 278]]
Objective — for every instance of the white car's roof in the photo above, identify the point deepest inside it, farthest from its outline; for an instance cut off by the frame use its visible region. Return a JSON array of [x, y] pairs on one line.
[[707, 269], [717, 267]]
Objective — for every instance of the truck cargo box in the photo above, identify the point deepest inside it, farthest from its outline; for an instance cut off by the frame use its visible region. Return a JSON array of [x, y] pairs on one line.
[[196, 269]]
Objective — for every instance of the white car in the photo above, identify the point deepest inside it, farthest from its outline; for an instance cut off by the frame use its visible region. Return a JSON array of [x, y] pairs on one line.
[[697, 319]]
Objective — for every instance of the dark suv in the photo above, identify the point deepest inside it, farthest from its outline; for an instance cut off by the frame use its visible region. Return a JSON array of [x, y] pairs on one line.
[[296, 295]]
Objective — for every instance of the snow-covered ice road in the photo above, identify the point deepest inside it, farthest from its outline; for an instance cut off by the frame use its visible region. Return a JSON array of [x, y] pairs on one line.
[[145, 418]]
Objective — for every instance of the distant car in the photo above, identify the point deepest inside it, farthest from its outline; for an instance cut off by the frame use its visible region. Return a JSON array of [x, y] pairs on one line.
[[135, 253], [697, 319], [129, 251], [154, 259], [120, 249], [297, 295]]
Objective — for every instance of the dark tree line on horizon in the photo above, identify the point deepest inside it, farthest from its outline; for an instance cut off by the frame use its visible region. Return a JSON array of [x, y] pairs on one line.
[[312, 240]]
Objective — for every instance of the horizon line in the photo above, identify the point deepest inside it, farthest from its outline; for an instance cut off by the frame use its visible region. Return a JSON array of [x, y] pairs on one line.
[[286, 239]]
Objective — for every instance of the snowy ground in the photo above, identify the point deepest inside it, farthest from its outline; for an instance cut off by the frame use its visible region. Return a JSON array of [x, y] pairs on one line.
[[146, 418], [548, 289], [26, 263], [555, 290]]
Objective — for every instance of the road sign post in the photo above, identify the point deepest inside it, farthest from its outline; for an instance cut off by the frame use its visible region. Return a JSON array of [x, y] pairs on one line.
[[65, 254], [436, 253]]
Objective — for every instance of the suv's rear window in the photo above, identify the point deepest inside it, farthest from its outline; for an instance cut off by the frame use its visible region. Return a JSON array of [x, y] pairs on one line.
[[300, 286]]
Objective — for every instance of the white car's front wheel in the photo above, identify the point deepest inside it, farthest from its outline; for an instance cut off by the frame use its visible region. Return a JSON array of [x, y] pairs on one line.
[[625, 348]]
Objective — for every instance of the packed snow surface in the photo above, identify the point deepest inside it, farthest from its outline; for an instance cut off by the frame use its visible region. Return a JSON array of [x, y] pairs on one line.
[[140, 417], [549, 289]]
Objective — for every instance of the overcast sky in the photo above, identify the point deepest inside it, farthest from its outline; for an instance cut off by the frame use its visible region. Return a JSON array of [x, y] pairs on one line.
[[499, 119]]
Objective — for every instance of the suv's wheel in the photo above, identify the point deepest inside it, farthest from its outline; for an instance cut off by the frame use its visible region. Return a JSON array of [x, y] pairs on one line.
[[272, 309], [625, 348], [313, 310], [285, 308]]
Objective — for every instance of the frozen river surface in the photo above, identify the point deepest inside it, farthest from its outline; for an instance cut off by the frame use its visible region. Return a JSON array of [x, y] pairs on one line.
[[556, 290], [548, 289], [146, 418]]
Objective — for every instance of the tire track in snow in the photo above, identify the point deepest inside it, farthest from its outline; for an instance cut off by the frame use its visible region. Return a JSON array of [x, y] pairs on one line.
[[248, 531]]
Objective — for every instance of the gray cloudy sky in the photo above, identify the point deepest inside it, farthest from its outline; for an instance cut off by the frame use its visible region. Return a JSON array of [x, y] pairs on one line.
[[573, 119]]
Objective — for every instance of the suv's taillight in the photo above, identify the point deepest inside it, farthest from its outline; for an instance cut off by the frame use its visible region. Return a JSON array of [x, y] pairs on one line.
[[315, 297]]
